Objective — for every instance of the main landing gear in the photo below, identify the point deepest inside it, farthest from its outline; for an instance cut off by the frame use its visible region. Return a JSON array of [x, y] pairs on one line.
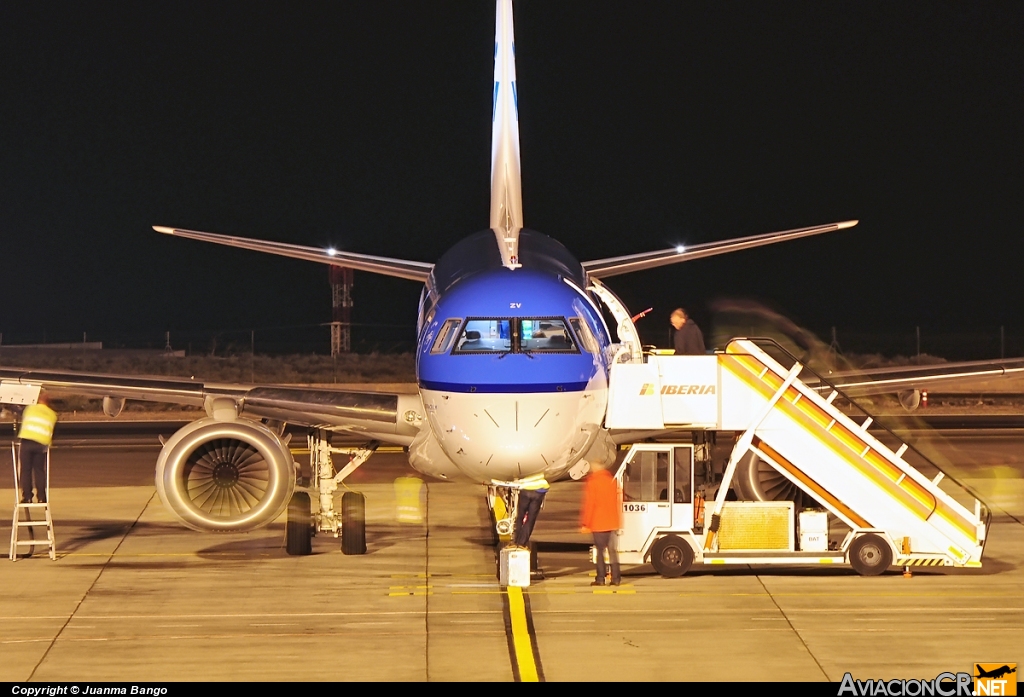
[[503, 503], [302, 524]]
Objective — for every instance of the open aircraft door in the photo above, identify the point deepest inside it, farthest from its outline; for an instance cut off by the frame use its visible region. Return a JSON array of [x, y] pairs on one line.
[[657, 493]]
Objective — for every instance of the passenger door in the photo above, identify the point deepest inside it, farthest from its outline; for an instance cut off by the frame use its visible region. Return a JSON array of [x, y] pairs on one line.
[[645, 477]]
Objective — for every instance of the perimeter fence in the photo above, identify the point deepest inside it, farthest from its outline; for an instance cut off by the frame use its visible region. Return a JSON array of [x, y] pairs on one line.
[[315, 339], [298, 339]]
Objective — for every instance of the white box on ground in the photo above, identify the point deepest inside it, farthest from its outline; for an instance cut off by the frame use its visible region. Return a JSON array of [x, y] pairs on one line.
[[814, 521], [813, 531], [813, 542], [514, 567]]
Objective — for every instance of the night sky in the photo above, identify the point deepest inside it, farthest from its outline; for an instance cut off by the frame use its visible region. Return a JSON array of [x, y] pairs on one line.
[[643, 125]]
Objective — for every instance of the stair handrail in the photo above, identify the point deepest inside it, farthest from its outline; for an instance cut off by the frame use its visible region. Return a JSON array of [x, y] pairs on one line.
[[759, 340]]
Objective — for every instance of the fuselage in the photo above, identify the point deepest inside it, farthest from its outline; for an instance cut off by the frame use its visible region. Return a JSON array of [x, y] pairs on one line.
[[511, 363]]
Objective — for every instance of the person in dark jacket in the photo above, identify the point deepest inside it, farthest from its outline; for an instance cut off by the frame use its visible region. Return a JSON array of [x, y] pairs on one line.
[[687, 338]]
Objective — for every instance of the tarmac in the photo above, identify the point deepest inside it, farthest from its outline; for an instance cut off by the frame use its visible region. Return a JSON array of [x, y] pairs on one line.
[[134, 596]]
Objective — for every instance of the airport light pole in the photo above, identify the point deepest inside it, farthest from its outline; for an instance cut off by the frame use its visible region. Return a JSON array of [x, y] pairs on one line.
[[341, 310]]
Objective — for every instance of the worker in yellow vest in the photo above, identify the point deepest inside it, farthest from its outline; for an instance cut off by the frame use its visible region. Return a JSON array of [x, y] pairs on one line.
[[531, 498], [36, 434]]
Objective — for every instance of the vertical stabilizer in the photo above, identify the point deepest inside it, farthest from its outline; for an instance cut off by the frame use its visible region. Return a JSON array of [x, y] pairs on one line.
[[506, 187]]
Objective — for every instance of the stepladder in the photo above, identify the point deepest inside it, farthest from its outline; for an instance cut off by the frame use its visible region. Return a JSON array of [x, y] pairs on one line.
[[26, 520]]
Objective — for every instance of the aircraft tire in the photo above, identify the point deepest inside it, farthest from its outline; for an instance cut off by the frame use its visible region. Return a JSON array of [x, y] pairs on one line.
[[353, 523], [298, 527], [870, 555], [671, 556], [495, 537]]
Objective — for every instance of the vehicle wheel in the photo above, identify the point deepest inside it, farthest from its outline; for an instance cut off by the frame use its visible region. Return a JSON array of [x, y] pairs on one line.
[[495, 538], [353, 523], [298, 528], [870, 555], [671, 556]]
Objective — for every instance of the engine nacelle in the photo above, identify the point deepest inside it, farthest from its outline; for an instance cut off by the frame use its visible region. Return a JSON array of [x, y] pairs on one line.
[[756, 480], [910, 399], [225, 476]]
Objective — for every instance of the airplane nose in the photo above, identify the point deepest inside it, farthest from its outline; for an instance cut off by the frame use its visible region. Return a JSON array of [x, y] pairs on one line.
[[509, 436]]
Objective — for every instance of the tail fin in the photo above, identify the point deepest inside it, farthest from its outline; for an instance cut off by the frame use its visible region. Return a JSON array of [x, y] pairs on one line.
[[506, 183]]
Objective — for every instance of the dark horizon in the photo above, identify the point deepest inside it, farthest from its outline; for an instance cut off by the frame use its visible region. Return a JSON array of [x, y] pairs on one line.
[[642, 127]]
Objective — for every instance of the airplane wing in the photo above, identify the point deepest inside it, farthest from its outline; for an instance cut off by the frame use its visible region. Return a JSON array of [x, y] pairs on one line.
[[615, 266], [401, 268], [389, 417], [983, 376]]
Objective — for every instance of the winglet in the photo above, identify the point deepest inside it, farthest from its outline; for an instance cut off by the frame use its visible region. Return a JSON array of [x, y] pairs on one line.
[[506, 183]]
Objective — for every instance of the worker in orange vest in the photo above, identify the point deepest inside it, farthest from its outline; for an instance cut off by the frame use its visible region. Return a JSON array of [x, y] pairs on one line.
[[602, 516]]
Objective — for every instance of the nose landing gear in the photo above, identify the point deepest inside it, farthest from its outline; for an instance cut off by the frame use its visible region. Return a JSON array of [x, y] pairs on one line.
[[506, 513]]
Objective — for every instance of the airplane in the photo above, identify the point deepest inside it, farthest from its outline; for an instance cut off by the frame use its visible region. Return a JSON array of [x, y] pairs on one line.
[[512, 365], [996, 672]]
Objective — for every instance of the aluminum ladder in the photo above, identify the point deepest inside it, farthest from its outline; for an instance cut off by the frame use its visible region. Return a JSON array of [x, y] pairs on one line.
[[28, 524]]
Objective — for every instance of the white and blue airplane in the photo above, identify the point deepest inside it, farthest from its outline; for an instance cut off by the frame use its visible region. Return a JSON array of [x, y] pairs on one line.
[[512, 353], [513, 358]]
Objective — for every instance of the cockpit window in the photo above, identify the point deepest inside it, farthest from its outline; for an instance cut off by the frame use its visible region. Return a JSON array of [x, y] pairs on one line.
[[547, 335], [583, 333], [445, 336], [485, 336], [515, 335]]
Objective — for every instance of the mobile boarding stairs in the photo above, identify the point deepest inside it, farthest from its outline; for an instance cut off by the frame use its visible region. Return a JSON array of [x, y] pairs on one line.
[[892, 513]]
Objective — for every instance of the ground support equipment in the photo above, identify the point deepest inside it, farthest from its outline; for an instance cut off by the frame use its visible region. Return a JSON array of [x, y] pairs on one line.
[[863, 503], [22, 519]]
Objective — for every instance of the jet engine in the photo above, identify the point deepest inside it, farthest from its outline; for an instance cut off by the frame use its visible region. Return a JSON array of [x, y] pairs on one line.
[[225, 476], [756, 480], [910, 399]]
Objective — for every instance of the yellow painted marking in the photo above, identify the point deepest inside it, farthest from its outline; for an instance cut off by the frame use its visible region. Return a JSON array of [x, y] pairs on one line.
[[500, 513], [521, 636], [949, 515], [121, 555], [826, 561], [426, 575], [381, 449]]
